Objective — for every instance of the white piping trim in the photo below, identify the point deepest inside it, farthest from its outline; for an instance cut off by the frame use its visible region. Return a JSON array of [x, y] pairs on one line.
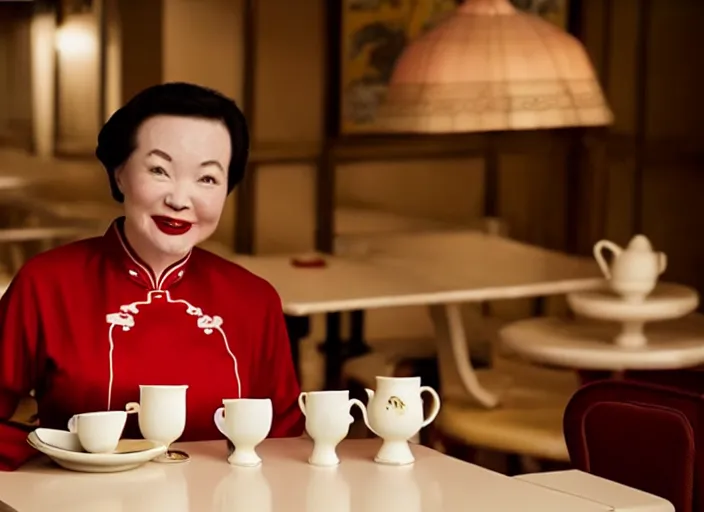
[[162, 279], [170, 271], [112, 347], [125, 319], [124, 246]]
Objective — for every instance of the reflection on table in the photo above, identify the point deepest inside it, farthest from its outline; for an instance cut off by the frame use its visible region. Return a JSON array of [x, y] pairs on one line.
[[284, 482]]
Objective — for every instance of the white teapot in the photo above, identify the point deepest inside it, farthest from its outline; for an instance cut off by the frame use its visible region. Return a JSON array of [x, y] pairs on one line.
[[634, 270], [395, 414]]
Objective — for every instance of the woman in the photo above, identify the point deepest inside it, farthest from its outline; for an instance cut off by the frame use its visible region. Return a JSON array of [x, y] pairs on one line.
[[85, 324]]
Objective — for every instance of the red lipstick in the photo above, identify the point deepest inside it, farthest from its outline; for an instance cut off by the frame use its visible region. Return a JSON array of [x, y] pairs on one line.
[[171, 226]]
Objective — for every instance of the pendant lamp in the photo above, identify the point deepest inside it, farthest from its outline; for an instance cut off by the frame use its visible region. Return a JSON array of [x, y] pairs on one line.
[[492, 67]]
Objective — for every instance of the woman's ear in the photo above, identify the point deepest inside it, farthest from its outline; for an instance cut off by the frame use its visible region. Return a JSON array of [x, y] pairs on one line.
[[119, 171]]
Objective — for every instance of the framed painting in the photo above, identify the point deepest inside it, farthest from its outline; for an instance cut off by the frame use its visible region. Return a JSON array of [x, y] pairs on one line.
[[374, 34], [555, 11]]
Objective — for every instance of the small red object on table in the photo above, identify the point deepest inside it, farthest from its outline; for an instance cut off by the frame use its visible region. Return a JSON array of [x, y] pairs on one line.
[[309, 261]]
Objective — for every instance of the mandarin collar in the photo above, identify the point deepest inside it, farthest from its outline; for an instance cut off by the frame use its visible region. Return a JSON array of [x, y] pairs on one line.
[[134, 267]]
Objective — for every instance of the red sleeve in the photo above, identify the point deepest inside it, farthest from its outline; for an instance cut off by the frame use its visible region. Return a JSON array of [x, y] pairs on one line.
[[19, 360], [278, 375]]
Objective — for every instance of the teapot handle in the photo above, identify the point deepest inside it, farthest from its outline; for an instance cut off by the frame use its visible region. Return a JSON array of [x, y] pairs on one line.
[[360, 405], [599, 256], [436, 405]]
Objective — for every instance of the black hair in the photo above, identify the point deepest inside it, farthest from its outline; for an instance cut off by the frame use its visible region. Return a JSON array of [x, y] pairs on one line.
[[117, 138]]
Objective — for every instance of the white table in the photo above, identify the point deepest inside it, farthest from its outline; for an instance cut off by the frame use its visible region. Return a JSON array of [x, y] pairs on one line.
[[588, 345], [286, 483], [619, 497], [424, 269], [440, 270]]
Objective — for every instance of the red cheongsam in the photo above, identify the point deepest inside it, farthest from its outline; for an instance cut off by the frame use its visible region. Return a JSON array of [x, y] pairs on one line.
[[85, 324]]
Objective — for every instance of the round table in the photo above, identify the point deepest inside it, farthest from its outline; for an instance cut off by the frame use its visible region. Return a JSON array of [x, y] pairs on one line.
[[587, 345]]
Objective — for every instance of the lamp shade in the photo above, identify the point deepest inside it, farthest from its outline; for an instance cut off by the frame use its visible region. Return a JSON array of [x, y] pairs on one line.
[[492, 67]]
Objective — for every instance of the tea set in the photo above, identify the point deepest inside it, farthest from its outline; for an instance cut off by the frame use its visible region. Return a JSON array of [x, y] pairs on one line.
[[634, 271], [633, 296], [93, 441]]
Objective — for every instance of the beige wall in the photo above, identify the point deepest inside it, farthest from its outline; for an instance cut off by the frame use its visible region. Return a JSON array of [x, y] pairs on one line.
[[446, 190], [289, 72], [674, 137], [202, 43], [141, 37], [15, 72], [212, 55], [78, 101], [285, 209], [43, 83]]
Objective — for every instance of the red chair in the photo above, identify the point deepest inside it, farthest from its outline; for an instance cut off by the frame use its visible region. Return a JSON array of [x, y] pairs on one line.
[[640, 435]]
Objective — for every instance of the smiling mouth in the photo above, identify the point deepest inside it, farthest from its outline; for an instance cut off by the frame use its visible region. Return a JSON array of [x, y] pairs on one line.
[[171, 226]]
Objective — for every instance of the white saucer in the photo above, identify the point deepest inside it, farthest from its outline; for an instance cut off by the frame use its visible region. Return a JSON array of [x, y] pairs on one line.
[[93, 462]]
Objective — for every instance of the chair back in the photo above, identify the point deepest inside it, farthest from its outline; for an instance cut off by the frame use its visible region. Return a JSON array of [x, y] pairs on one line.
[[640, 435]]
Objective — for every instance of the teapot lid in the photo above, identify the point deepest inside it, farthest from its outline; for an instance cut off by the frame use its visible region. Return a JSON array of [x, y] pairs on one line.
[[640, 243]]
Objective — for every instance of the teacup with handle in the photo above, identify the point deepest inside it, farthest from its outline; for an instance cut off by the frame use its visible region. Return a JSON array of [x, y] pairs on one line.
[[162, 417], [98, 432], [245, 422], [328, 422]]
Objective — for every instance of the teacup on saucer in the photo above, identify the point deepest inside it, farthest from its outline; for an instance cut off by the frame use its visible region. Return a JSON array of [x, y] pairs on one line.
[[98, 432]]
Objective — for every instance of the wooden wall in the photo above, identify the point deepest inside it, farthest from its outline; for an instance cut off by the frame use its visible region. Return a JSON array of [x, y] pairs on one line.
[[15, 91], [645, 51]]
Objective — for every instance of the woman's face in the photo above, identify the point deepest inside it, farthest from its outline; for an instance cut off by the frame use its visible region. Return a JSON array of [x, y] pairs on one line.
[[175, 182]]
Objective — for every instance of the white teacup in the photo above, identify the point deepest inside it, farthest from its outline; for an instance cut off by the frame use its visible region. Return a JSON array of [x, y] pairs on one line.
[[98, 432], [328, 422], [245, 422]]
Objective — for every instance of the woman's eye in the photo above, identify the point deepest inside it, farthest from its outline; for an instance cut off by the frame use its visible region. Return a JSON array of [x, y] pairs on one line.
[[209, 179], [158, 171]]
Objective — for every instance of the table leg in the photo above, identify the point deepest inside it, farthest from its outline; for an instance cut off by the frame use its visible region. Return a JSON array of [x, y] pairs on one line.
[[333, 350], [357, 344], [539, 306], [298, 327], [453, 354]]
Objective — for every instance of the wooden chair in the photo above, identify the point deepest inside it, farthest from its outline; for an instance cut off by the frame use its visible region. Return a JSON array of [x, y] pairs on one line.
[[640, 435], [526, 424]]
